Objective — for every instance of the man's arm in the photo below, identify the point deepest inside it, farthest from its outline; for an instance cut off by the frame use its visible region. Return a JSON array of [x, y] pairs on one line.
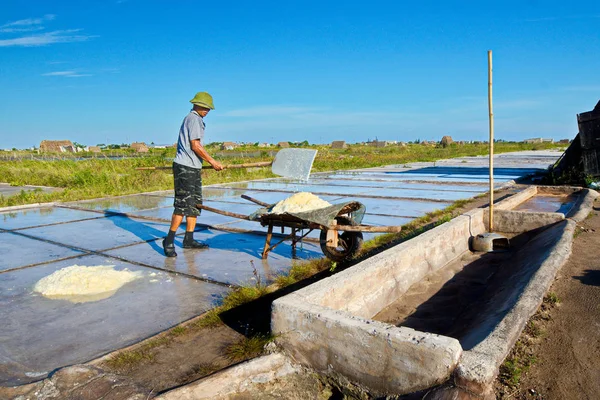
[[203, 154]]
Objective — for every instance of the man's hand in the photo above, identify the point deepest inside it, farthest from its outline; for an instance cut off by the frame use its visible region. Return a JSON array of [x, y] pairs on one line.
[[217, 166]]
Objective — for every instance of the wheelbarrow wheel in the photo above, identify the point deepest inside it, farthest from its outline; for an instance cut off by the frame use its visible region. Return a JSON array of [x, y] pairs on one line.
[[349, 243]]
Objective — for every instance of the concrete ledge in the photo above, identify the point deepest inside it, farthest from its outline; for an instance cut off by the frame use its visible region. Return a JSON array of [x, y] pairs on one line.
[[509, 221], [584, 205], [382, 357], [236, 379], [516, 199]]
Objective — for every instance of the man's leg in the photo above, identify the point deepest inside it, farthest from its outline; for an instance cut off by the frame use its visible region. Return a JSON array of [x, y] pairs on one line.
[[190, 223], [180, 204], [169, 241], [191, 217], [188, 240], [175, 222]]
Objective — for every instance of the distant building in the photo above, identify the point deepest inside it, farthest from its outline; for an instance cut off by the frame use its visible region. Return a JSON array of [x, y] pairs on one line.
[[160, 146], [94, 149], [229, 146], [564, 141], [57, 146], [538, 140], [378, 143], [446, 141], [339, 144], [264, 145], [283, 145], [139, 147]]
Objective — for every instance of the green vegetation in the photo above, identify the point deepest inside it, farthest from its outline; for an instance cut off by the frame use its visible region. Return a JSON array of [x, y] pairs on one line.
[[124, 360], [204, 369], [513, 369], [552, 299], [100, 177], [247, 347], [301, 270], [522, 356]]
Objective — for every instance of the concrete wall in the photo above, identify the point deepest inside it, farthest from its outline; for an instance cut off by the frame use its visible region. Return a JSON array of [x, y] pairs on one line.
[[511, 308], [384, 358], [509, 221], [368, 287], [325, 326], [235, 380]]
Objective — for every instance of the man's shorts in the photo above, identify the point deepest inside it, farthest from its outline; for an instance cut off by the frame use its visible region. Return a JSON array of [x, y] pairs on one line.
[[188, 190]]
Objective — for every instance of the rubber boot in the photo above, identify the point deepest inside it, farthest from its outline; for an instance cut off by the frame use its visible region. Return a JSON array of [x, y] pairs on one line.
[[190, 243], [169, 245]]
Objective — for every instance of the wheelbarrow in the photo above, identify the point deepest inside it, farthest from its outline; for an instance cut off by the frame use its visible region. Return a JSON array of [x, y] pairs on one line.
[[341, 234]]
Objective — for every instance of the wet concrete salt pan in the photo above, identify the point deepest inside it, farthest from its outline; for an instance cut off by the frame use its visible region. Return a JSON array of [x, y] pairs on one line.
[[124, 204], [18, 251], [230, 258], [40, 334], [354, 191], [206, 217], [300, 187], [104, 233], [266, 197], [401, 185], [41, 216], [400, 208]]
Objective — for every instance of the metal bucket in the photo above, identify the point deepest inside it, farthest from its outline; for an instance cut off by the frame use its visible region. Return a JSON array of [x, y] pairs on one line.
[[489, 242]]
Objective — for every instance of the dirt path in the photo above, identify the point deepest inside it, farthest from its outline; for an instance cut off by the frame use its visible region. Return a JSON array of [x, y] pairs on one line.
[[562, 342]]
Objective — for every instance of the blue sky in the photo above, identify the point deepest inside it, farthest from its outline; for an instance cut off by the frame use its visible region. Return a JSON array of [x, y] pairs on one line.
[[117, 71]]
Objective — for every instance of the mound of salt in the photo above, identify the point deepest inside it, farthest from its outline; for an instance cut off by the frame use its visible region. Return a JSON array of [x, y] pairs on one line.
[[299, 202], [81, 282]]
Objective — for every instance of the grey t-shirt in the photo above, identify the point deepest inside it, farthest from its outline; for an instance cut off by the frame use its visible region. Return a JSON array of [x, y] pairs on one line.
[[192, 128]]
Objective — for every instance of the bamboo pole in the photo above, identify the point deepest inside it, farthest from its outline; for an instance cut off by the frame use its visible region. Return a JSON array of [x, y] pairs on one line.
[[366, 228], [491, 208], [230, 166], [222, 212], [260, 203]]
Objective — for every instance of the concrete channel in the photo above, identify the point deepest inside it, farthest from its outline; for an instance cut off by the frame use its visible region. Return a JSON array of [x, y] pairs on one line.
[[428, 317], [41, 335]]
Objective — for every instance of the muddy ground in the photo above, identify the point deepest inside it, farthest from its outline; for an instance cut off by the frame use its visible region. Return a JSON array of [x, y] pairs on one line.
[[558, 354]]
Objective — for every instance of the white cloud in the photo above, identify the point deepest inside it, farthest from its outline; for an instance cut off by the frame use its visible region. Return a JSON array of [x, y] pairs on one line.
[[28, 25], [43, 39], [30, 21], [20, 30], [66, 74]]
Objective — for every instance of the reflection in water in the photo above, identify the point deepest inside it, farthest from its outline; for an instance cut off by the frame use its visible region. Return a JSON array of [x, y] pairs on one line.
[[122, 204], [41, 211], [548, 203]]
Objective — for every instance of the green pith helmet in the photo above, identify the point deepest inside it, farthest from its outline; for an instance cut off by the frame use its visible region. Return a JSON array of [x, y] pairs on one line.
[[203, 99]]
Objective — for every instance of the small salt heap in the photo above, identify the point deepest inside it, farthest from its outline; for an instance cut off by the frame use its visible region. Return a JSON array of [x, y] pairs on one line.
[[80, 284]]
